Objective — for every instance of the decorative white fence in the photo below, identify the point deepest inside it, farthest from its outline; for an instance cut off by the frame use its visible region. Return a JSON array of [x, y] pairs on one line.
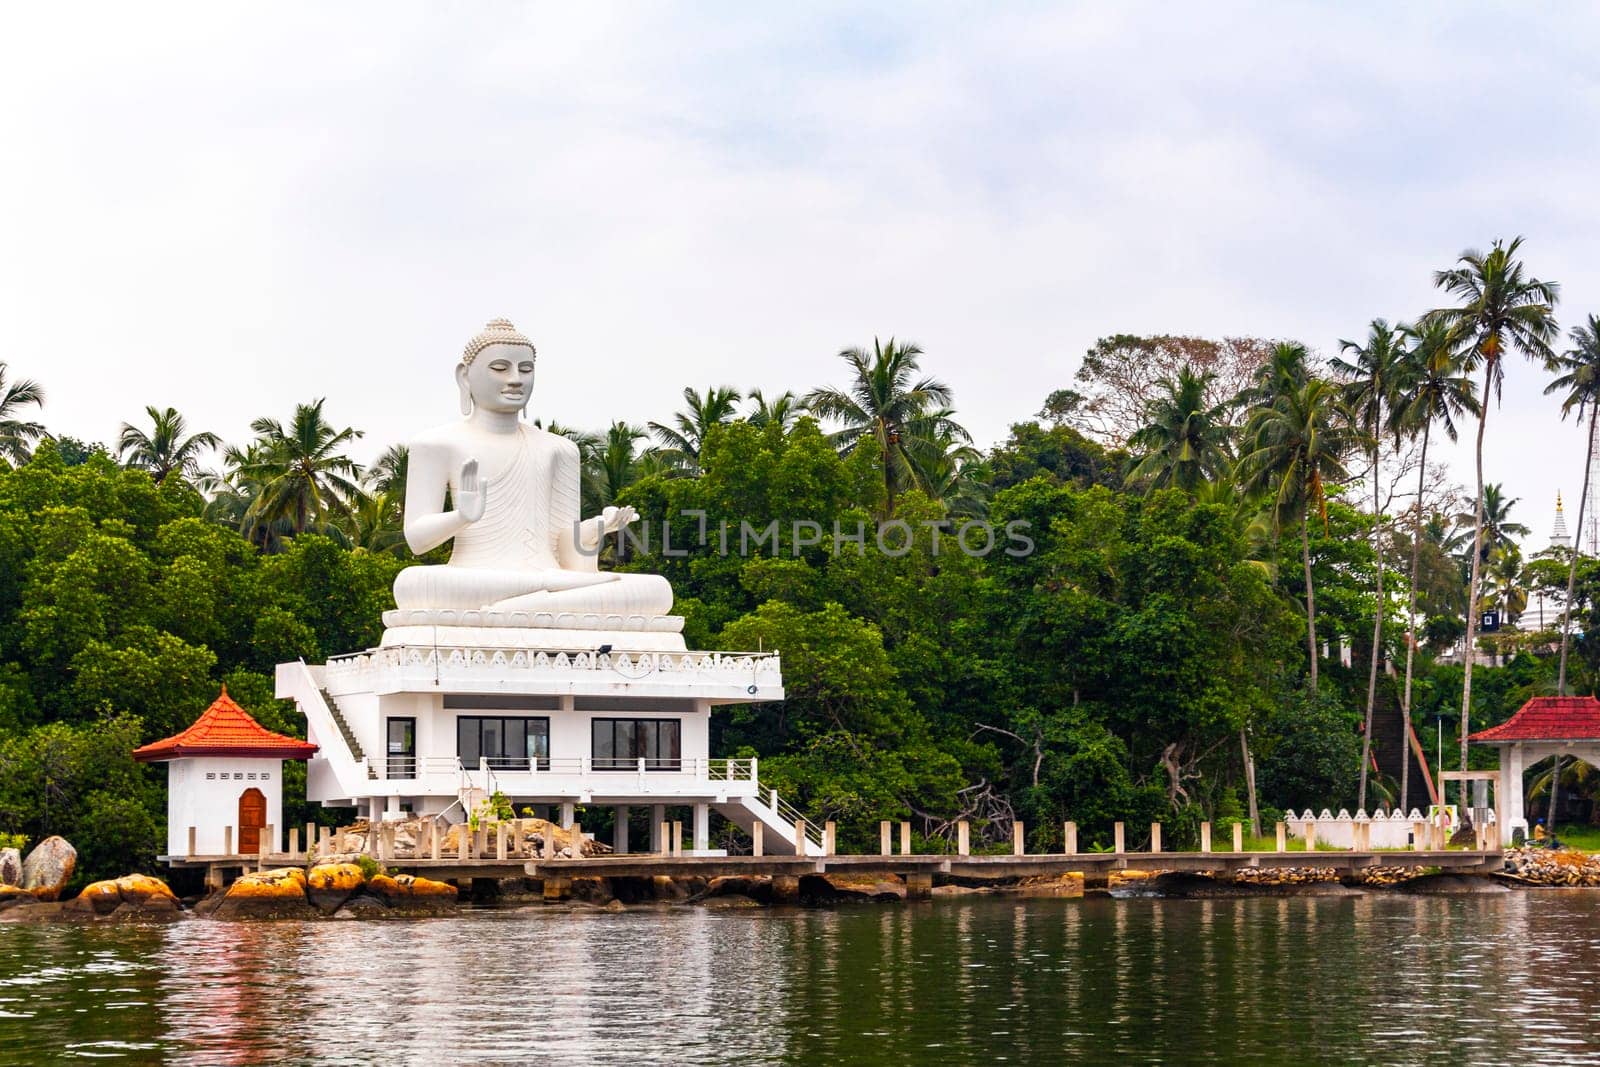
[[1391, 830]]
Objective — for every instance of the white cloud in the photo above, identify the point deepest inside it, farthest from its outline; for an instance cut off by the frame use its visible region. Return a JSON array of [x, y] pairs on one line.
[[232, 210]]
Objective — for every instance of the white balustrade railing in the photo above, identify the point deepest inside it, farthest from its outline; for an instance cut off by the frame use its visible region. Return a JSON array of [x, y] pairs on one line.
[[630, 665]]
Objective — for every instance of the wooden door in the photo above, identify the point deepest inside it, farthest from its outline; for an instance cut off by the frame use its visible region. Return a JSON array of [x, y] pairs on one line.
[[252, 817]]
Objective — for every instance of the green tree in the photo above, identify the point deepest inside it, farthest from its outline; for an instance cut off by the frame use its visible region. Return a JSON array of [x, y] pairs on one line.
[[1371, 378], [166, 449], [299, 471], [1184, 439], [781, 411], [1297, 446], [1580, 378], [1430, 390], [889, 405], [682, 439], [1500, 309], [18, 436]]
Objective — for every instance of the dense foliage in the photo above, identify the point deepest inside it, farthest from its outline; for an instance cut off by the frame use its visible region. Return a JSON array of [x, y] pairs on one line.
[[1102, 618]]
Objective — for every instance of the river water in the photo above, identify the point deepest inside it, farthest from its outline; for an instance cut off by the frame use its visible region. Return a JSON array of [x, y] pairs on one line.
[[1383, 978]]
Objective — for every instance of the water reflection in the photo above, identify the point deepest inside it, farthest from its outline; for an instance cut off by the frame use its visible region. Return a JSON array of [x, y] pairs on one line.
[[1470, 979]]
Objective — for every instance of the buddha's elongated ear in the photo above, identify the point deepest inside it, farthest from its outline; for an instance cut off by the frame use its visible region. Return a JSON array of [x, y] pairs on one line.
[[466, 393]]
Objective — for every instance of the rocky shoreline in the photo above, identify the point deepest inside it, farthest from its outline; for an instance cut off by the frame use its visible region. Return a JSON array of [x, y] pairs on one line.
[[353, 886]]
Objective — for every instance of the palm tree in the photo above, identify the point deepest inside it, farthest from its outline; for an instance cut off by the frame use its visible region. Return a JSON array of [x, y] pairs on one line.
[[890, 405], [1581, 380], [781, 411], [1507, 582], [1429, 390], [1498, 530], [372, 523], [1297, 446], [683, 439], [299, 469], [17, 436], [1287, 369], [1501, 309], [1184, 438], [165, 449], [616, 463], [948, 470], [1369, 393], [388, 472]]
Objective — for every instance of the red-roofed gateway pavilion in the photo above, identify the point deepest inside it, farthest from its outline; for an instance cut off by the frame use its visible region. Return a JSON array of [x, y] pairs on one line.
[[224, 780], [1542, 728]]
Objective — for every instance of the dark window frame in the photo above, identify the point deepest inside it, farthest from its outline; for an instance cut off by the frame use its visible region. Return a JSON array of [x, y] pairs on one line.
[[657, 762], [502, 761]]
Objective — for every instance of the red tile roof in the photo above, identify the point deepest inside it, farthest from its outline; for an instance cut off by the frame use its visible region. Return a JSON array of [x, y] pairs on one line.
[[1547, 719], [226, 729]]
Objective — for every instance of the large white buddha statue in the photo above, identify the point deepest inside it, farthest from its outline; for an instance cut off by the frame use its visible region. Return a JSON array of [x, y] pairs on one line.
[[521, 556]]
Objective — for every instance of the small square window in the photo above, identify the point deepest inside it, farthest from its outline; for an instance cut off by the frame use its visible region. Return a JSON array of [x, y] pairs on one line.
[[251, 776], [238, 776], [210, 775], [265, 775]]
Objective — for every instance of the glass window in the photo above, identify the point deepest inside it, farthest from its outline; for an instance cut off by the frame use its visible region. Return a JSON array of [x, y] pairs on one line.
[[507, 742], [619, 744]]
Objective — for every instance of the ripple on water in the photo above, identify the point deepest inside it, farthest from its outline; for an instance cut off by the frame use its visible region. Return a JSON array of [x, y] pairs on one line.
[[1492, 979]]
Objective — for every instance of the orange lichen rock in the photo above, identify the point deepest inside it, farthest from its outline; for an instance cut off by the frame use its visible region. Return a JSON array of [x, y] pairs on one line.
[[336, 877], [135, 890], [272, 894], [406, 893]]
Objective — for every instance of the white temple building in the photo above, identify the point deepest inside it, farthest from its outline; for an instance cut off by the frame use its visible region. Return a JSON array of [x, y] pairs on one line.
[[520, 667]]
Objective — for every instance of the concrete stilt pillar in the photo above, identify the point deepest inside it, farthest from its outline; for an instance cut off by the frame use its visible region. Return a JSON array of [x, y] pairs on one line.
[[919, 886], [556, 889], [702, 827], [658, 839], [619, 837]]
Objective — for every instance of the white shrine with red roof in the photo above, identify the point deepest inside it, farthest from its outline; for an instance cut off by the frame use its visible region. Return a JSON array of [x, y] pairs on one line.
[[1543, 728], [224, 781]]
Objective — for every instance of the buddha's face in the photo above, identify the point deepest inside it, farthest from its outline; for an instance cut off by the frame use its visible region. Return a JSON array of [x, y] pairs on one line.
[[499, 379]]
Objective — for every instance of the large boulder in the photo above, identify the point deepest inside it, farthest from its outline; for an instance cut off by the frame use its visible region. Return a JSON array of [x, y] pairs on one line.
[[132, 894], [10, 867], [329, 885], [277, 894], [49, 867], [412, 895]]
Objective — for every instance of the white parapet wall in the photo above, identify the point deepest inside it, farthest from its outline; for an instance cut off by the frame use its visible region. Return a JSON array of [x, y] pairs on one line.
[[1388, 829]]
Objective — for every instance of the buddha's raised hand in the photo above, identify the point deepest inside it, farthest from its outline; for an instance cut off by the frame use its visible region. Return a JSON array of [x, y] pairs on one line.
[[613, 519], [471, 492]]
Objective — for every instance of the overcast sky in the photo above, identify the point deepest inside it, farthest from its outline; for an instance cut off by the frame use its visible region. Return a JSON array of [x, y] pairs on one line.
[[231, 209]]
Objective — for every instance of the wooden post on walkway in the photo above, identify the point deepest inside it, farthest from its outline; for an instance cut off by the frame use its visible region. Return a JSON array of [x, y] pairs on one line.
[[294, 840], [758, 838], [550, 838], [800, 837], [963, 840], [227, 840], [1069, 834], [1155, 837], [1119, 843], [905, 838], [464, 842], [1238, 837], [1205, 837], [311, 838], [433, 838], [500, 841], [828, 832], [1283, 837], [1018, 847], [883, 837], [324, 839], [191, 841], [677, 838], [1311, 836]]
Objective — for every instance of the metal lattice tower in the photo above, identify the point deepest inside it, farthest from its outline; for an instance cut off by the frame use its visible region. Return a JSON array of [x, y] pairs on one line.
[[1589, 537]]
